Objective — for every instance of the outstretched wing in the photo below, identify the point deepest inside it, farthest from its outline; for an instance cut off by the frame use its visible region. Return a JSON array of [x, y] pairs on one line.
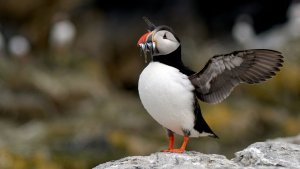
[[223, 72]]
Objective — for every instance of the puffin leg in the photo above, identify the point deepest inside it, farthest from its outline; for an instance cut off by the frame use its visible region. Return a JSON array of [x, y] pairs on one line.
[[183, 146], [171, 148], [171, 141]]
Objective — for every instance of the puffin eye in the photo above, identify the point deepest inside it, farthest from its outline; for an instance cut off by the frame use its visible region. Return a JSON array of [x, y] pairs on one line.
[[165, 36]]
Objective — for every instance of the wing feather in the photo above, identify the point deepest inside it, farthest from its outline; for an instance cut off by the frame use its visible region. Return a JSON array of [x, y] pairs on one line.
[[222, 73]]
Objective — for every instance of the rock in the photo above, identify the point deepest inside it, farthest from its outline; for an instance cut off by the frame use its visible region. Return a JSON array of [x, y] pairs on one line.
[[189, 159], [279, 153], [293, 140], [272, 153]]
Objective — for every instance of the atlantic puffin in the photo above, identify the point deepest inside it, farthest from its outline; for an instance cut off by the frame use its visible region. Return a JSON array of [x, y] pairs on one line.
[[169, 90]]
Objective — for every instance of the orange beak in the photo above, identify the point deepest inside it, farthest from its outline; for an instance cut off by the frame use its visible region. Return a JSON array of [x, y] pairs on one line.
[[147, 46], [143, 38]]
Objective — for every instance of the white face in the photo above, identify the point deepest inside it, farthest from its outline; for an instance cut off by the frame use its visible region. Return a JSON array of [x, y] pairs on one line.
[[165, 42]]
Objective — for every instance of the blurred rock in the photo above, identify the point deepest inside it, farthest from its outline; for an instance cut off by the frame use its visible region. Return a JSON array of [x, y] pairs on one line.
[[244, 31], [19, 46], [269, 154], [292, 140], [62, 33]]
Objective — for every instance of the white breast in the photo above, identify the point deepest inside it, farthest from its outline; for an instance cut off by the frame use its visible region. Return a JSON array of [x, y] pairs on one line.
[[167, 95]]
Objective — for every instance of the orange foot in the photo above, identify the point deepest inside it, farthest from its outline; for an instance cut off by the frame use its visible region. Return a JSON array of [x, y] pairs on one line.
[[179, 150]]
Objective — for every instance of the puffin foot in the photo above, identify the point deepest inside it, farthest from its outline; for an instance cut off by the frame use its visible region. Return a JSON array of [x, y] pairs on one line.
[[179, 150]]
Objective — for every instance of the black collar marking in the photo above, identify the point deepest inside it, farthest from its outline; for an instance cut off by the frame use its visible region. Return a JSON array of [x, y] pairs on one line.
[[174, 59]]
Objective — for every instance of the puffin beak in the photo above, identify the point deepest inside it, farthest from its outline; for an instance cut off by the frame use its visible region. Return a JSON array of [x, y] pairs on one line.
[[145, 43], [146, 46]]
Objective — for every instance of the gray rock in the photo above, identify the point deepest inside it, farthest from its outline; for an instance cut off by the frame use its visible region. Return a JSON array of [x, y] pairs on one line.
[[271, 153], [189, 159], [279, 153], [293, 140]]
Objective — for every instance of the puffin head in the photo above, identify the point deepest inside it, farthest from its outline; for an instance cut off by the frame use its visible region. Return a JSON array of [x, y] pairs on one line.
[[159, 40]]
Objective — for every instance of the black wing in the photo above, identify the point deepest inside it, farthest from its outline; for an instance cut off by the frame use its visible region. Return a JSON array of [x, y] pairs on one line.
[[223, 72]]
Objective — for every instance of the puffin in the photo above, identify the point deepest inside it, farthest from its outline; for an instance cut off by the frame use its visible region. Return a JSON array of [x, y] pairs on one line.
[[169, 90]]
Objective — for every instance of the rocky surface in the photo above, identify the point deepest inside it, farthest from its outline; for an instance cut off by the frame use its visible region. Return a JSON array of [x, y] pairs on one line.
[[278, 153], [269, 154]]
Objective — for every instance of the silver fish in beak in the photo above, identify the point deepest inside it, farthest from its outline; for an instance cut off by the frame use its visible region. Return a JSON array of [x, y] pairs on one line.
[[146, 45]]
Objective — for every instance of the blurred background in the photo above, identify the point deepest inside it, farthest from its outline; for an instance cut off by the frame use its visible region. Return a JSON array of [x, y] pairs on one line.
[[69, 73]]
